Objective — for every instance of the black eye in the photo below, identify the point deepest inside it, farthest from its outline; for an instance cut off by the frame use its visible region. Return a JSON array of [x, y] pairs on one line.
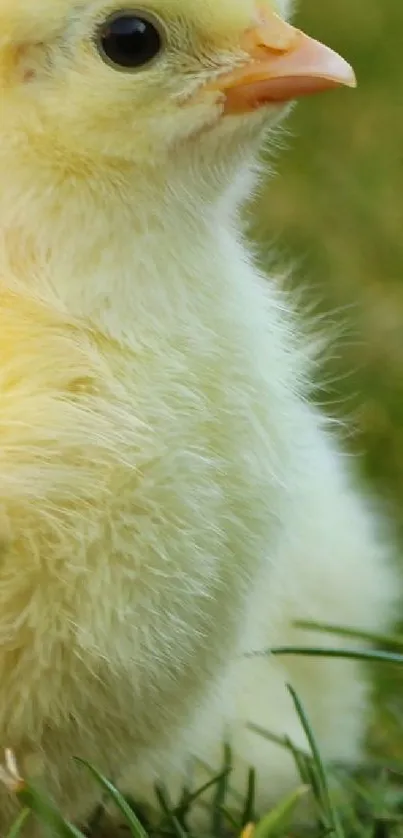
[[129, 41]]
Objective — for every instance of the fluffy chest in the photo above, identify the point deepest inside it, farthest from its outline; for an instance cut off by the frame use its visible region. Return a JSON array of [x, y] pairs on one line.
[[143, 487], [171, 446]]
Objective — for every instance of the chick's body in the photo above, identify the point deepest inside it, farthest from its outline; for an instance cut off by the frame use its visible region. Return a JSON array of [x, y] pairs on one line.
[[169, 498]]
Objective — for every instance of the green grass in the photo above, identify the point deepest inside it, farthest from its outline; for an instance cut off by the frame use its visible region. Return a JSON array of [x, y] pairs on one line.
[[365, 804]]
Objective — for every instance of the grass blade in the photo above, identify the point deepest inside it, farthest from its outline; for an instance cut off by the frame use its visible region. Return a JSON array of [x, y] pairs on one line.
[[279, 818], [230, 818], [169, 812], [281, 741], [136, 828], [323, 652], [323, 787], [190, 797], [248, 814], [221, 794], [19, 824], [391, 642], [303, 763], [47, 813]]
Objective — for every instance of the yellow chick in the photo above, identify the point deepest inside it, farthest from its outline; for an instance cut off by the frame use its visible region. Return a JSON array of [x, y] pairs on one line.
[[170, 499]]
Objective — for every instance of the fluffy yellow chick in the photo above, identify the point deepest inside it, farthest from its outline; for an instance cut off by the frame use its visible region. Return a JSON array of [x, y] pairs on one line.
[[169, 497]]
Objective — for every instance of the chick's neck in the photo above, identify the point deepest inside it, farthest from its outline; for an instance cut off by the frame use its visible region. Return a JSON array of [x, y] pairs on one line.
[[107, 244]]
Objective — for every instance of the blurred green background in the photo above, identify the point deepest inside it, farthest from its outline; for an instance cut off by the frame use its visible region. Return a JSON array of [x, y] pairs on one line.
[[335, 209]]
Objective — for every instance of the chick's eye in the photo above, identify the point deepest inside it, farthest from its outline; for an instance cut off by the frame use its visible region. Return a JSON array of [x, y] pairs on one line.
[[128, 41]]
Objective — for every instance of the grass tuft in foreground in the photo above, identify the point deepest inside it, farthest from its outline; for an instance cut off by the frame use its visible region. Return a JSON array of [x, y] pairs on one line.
[[367, 803]]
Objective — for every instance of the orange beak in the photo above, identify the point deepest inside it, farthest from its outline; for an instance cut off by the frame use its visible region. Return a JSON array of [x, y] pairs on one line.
[[281, 64]]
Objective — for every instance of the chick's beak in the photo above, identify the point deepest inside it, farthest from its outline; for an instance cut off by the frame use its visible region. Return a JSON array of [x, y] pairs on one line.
[[281, 64]]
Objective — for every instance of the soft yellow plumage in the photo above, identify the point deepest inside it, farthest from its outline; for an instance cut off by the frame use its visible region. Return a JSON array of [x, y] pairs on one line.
[[168, 497]]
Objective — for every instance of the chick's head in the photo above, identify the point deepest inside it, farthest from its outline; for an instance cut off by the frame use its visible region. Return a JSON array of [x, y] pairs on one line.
[[135, 80]]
